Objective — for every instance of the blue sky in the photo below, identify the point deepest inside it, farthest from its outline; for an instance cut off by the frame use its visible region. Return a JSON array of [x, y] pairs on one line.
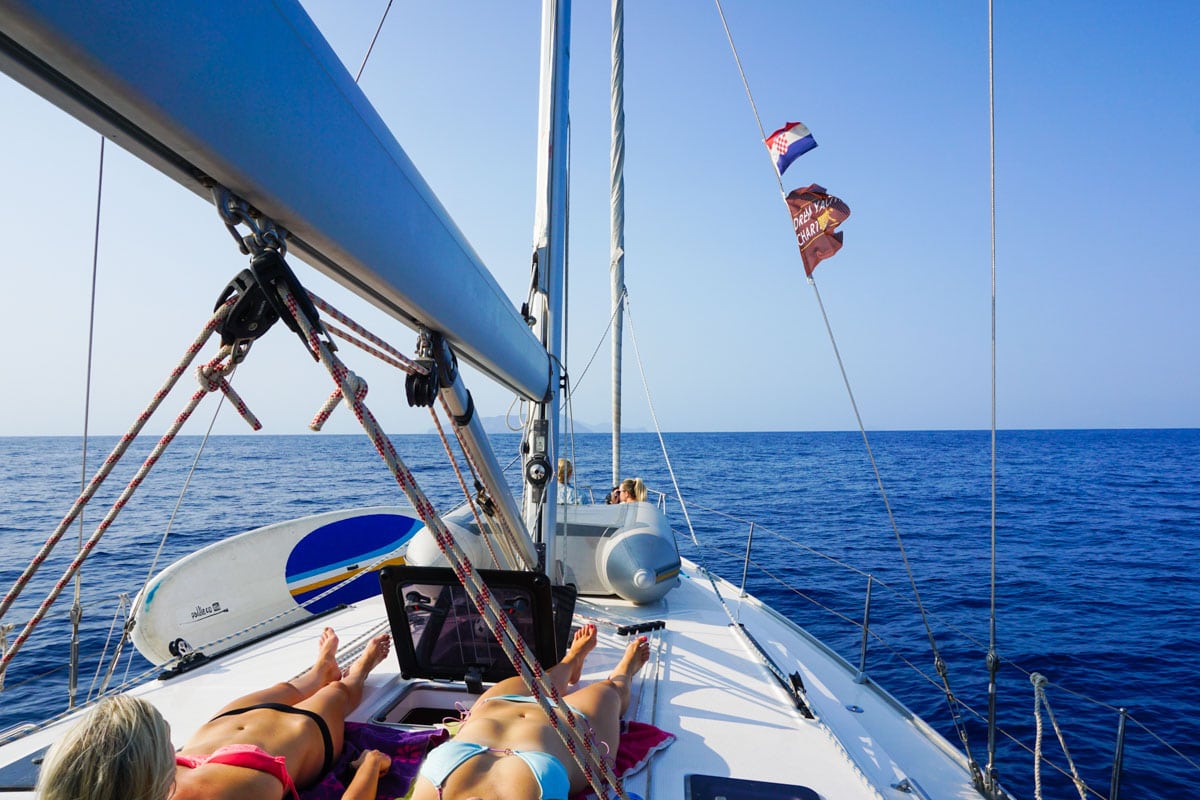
[[1097, 135]]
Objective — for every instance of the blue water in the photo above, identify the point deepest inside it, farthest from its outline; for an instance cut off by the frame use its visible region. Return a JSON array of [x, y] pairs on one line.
[[1098, 533]]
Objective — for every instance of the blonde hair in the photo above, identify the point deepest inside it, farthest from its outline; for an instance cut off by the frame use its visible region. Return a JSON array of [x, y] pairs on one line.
[[120, 751], [564, 470], [635, 487]]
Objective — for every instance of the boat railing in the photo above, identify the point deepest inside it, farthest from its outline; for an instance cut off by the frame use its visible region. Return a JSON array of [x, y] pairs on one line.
[[870, 625]]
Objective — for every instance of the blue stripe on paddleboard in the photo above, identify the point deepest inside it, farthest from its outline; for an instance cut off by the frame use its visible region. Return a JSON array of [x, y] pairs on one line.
[[326, 569], [341, 543]]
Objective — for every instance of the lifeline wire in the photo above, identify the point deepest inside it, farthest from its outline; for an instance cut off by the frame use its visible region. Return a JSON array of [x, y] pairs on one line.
[[950, 697]]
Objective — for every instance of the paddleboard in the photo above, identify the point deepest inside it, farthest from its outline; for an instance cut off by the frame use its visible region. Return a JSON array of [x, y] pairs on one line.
[[267, 579]]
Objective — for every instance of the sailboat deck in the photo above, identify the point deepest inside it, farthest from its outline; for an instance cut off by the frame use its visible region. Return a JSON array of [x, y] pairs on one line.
[[703, 683], [732, 718]]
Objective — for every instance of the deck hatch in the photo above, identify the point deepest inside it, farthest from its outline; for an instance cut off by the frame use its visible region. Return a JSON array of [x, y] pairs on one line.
[[439, 634]]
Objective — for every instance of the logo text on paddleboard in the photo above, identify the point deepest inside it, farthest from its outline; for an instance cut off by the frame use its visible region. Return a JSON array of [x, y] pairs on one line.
[[201, 612]]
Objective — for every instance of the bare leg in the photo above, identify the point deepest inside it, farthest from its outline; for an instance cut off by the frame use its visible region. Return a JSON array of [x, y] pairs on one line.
[[323, 671], [299, 740], [336, 699], [603, 702], [571, 667], [592, 699], [561, 675], [637, 653]]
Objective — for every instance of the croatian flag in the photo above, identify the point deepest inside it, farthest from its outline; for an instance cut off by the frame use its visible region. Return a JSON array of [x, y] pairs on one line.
[[789, 143]]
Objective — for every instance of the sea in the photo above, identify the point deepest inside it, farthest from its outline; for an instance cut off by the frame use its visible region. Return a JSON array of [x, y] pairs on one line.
[[1094, 579]]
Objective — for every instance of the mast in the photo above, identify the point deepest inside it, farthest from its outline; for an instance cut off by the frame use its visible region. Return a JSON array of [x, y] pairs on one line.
[[617, 213], [550, 250]]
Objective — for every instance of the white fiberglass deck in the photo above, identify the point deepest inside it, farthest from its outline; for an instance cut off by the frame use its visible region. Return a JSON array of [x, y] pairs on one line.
[[703, 683]]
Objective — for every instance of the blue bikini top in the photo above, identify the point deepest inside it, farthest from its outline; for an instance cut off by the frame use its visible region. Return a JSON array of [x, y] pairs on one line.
[[548, 771]]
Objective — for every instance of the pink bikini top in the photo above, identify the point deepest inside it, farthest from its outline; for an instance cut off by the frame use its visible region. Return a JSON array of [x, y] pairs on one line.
[[248, 756]]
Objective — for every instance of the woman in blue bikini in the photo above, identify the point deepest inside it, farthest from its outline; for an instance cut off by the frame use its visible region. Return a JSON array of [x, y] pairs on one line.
[[262, 745], [507, 749]]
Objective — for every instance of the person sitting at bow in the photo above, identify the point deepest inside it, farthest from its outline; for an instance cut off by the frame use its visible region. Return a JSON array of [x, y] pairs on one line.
[[566, 492], [633, 490]]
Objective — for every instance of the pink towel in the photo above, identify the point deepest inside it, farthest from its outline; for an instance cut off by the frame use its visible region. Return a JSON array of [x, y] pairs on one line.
[[639, 741]]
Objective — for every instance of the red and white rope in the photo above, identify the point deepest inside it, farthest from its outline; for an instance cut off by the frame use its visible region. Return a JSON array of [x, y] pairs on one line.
[[409, 365], [509, 536], [510, 640], [212, 379], [487, 540], [113, 458]]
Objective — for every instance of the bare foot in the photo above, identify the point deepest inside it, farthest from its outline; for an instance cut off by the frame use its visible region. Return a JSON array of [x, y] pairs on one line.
[[326, 667], [374, 654], [583, 643], [637, 653], [323, 671]]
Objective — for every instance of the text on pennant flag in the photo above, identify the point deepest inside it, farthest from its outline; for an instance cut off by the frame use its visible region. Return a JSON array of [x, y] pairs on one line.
[[815, 217]]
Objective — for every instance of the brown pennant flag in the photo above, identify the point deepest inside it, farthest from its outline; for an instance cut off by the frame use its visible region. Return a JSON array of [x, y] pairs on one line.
[[815, 216]]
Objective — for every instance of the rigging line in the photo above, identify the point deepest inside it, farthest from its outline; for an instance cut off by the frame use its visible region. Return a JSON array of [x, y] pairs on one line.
[[187, 482], [497, 526], [783, 194], [611, 319], [779, 180], [951, 700], [371, 48], [114, 456], [734, 624], [77, 607], [762, 133], [992, 660], [437, 423], [125, 495], [409, 365], [506, 635]]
